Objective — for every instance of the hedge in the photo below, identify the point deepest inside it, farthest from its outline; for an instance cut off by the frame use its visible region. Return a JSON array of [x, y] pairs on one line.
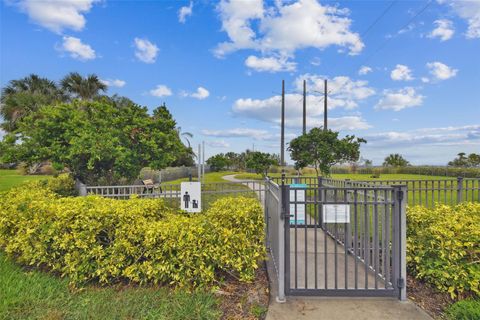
[[443, 247], [464, 310], [421, 170], [138, 240]]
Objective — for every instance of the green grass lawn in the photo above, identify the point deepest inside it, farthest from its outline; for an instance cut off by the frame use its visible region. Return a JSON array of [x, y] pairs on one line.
[[209, 177], [36, 295], [10, 178]]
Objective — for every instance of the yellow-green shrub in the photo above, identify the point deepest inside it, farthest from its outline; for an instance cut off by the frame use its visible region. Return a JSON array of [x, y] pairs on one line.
[[140, 240], [444, 246]]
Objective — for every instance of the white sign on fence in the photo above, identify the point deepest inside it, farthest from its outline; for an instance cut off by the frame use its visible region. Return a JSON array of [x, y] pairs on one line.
[[336, 213], [297, 194], [191, 196]]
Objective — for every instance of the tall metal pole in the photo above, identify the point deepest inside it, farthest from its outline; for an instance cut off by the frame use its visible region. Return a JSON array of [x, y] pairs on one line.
[[282, 139], [199, 161], [304, 106], [203, 161], [325, 107]]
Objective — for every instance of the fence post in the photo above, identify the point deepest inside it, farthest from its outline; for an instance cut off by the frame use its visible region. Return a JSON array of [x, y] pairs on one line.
[[81, 188], [400, 233], [283, 243], [459, 189]]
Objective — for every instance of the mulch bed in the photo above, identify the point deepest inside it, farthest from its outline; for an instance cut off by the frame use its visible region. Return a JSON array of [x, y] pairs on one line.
[[239, 300], [428, 297]]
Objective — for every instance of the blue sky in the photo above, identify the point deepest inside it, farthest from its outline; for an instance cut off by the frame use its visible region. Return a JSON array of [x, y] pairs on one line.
[[405, 75]]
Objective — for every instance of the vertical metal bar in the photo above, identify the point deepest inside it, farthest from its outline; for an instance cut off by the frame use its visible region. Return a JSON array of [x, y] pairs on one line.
[[375, 238], [355, 236], [315, 206], [325, 246], [347, 243], [367, 237], [296, 236], [387, 238], [336, 243]]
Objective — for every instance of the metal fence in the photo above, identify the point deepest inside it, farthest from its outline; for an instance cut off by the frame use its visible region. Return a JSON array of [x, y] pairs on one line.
[[425, 192], [171, 192]]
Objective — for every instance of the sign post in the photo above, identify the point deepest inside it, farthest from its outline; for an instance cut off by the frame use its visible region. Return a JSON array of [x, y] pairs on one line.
[[191, 196]]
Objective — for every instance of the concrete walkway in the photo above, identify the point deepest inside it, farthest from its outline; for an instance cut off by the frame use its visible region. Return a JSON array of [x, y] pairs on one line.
[[326, 307]]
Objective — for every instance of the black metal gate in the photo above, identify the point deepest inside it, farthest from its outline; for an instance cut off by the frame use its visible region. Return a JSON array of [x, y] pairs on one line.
[[343, 238]]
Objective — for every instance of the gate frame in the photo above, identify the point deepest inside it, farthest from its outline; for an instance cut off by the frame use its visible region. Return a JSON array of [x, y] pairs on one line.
[[399, 269]]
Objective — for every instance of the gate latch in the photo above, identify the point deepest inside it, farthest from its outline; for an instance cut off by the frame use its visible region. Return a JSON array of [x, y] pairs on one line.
[[400, 195], [400, 283]]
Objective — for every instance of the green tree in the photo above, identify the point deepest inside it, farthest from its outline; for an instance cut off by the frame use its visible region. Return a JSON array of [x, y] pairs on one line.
[[260, 162], [218, 162], [83, 88], [322, 149], [24, 96], [395, 160], [472, 160], [96, 141]]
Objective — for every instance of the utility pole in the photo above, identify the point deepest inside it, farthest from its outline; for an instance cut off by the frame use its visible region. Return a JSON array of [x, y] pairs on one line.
[[282, 139], [325, 107], [304, 106]]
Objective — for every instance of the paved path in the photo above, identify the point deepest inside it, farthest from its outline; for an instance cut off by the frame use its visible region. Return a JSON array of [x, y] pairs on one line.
[[332, 308]]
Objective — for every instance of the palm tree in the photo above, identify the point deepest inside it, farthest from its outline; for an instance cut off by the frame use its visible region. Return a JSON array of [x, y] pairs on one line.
[[24, 96], [82, 88], [395, 160], [186, 135]]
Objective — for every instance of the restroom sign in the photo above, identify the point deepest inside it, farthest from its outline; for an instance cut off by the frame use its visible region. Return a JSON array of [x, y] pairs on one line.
[[191, 196]]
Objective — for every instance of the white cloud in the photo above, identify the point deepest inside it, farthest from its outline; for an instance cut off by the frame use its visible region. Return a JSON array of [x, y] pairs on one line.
[[185, 12], [114, 82], [364, 70], [270, 64], [146, 51], [400, 99], [441, 71], [342, 91], [257, 134], [285, 27], [161, 91], [469, 11], [401, 72], [77, 49], [316, 61], [444, 30], [200, 94], [57, 15], [429, 136], [218, 144]]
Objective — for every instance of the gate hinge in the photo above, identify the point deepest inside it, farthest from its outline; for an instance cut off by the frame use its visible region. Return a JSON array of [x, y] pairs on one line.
[[400, 283], [400, 195]]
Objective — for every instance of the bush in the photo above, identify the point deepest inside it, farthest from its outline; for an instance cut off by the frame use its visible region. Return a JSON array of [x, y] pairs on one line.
[[464, 310], [138, 240], [443, 247]]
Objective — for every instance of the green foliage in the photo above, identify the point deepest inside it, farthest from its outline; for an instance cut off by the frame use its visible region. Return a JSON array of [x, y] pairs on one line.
[[395, 160], [443, 246], [25, 96], [472, 160], [419, 170], [322, 149], [260, 162], [218, 162], [84, 88], [139, 240], [464, 310], [96, 141]]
